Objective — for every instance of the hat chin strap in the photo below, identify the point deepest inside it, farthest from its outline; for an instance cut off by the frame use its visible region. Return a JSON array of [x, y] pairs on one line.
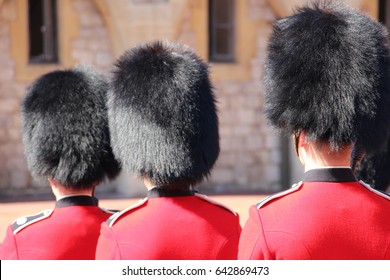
[[357, 155]]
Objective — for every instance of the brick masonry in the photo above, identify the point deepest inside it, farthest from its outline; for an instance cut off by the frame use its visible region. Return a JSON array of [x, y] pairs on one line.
[[250, 156], [14, 175]]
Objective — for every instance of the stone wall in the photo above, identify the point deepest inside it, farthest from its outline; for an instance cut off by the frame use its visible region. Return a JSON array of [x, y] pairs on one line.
[[250, 151], [14, 175], [93, 45]]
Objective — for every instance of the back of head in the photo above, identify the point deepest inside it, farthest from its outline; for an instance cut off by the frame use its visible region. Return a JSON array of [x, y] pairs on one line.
[[65, 128], [327, 72], [162, 114]]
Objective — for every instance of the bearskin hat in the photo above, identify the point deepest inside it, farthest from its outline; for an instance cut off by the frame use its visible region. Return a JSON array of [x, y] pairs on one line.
[[374, 169], [162, 114], [327, 72], [65, 128]]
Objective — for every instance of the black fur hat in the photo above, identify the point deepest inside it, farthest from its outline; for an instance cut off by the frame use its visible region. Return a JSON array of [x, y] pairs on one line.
[[65, 128], [374, 169], [327, 72], [162, 114]]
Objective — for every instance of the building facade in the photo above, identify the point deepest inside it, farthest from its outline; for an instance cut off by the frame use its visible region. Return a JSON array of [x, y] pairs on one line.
[[37, 36]]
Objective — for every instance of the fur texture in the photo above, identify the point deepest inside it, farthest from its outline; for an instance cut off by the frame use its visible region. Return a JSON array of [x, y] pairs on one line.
[[374, 169], [162, 114], [327, 72], [65, 128]]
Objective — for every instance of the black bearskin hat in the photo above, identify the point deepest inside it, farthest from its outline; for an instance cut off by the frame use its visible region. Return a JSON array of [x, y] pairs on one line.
[[65, 128], [327, 72], [374, 169], [162, 114]]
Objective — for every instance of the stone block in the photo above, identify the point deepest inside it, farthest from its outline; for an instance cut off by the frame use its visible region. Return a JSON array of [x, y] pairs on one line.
[[12, 90], [104, 59], [275, 156], [255, 175], [4, 29], [225, 131], [226, 159], [227, 117], [14, 134], [18, 179], [79, 43], [8, 10], [222, 175], [90, 20], [83, 56], [231, 143], [254, 143], [16, 163], [272, 173], [272, 141], [99, 45], [242, 130], [4, 179], [4, 44], [247, 116], [241, 176], [9, 105], [7, 73], [82, 6]]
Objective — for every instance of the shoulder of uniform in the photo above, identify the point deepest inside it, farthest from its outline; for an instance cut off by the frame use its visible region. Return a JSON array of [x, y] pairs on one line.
[[270, 198], [25, 221], [380, 193], [212, 201], [111, 221]]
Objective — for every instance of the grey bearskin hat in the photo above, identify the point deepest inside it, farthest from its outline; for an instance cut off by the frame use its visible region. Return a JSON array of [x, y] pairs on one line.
[[65, 128], [327, 72], [162, 114]]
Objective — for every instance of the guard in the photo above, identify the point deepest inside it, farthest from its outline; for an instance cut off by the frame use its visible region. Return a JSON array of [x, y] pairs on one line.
[[66, 140], [164, 129], [327, 84]]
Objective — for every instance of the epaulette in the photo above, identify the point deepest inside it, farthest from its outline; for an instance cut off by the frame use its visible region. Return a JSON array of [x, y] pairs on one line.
[[380, 193], [111, 221], [208, 199], [25, 221], [293, 188]]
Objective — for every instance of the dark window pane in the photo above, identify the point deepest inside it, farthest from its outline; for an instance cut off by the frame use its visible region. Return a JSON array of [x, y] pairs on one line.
[[42, 31], [35, 27], [221, 30], [222, 11], [222, 45]]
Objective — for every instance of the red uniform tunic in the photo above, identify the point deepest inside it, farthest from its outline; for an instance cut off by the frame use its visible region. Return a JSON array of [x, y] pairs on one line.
[[70, 231], [166, 226], [328, 216]]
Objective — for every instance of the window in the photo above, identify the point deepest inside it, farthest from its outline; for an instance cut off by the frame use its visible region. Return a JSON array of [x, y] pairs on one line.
[[384, 13], [42, 22], [221, 30]]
